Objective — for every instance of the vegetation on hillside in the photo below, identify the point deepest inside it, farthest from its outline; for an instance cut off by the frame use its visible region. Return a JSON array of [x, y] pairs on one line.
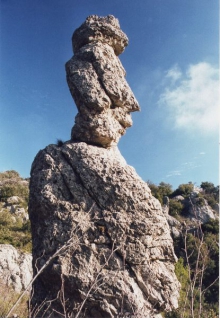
[[208, 191], [198, 269], [197, 250], [14, 229]]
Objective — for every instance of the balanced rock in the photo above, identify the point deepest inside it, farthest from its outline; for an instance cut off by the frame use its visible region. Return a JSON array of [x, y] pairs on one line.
[[101, 243], [96, 79]]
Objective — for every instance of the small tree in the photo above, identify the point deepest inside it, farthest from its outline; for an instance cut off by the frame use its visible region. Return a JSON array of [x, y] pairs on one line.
[[208, 187], [184, 189], [159, 192]]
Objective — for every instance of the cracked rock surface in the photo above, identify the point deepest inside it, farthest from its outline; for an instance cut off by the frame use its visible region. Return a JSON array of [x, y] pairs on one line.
[[99, 236], [119, 254]]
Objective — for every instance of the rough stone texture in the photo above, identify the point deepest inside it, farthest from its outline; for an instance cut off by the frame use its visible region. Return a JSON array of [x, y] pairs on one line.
[[118, 233], [99, 234], [179, 198], [14, 200], [15, 267], [196, 211], [201, 213], [96, 79], [100, 29]]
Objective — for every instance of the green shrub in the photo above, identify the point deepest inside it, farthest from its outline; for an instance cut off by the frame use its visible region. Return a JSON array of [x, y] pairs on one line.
[[200, 201], [184, 189], [159, 192], [15, 231], [5, 218], [175, 207], [9, 174], [211, 193], [60, 142], [9, 190], [208, 187], [212, 226]]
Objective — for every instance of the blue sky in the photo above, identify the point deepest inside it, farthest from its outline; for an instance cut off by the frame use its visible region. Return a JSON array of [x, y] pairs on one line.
[[172, 68]]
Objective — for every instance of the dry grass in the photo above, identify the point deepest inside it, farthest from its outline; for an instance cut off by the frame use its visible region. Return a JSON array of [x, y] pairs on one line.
[[7, 299]]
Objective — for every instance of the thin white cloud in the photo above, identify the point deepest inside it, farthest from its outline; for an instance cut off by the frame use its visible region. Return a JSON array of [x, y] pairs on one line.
[[182, 168], [174, 73], [192, 98], [202, 153], [174, 173]]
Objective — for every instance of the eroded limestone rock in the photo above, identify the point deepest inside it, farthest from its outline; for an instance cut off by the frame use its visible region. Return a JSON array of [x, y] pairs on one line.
[[98, 232], [15, 267], [199, 213], [119, 239], [96, 79]]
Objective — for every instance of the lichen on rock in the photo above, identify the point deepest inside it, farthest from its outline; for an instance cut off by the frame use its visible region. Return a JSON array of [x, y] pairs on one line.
[[98, 231]]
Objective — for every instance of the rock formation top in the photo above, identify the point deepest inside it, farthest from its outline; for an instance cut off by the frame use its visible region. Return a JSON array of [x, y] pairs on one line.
[[96, 80], [100, 29]]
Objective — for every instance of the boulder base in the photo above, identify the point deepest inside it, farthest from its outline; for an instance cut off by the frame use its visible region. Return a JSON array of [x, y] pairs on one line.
[[115, 250]]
